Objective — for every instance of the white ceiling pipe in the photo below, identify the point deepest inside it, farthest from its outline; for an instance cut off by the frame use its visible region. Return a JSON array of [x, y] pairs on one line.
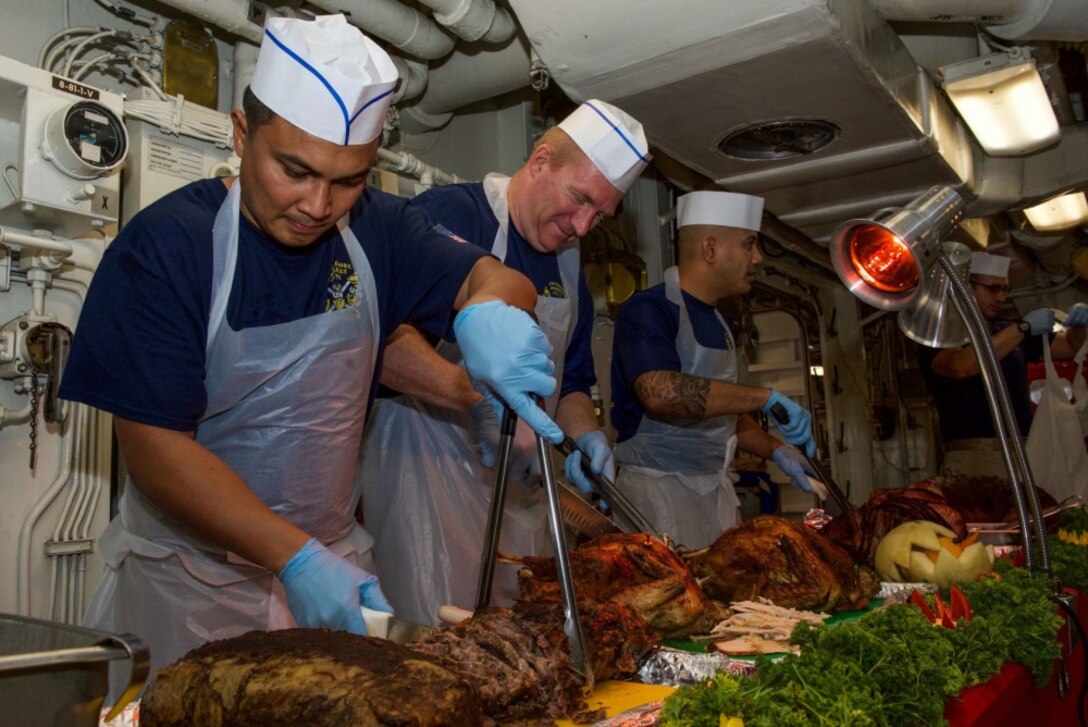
[[404, 27], [1008, 19], [245, 60], [413, 78], [1048, 20], [474, 19], [953, 11], [230, 15], [463, 79]]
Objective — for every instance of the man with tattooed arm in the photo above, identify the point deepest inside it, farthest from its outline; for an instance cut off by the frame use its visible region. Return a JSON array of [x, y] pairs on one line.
[[679, 413]]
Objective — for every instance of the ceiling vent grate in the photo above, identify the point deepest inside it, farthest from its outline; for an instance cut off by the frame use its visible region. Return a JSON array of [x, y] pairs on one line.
[[782, 139]]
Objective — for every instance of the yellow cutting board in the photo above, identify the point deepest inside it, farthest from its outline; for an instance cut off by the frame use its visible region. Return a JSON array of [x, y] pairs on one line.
[[617, 697]]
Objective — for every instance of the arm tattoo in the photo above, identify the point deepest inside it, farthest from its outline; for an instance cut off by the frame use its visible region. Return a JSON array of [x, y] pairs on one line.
[[683, 395]]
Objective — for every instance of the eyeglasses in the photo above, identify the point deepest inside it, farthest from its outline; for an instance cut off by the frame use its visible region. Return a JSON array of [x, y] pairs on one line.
[[993, 288]]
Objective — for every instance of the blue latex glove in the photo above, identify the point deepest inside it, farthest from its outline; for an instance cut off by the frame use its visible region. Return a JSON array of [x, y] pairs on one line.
[[790, 460], [523, 464], [325, 590], [1041, 320], [796, 427], [1077, 316], [508, 356], [601, 461], [488, 431]]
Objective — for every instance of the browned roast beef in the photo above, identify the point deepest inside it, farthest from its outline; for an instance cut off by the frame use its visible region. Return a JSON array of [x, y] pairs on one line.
[[517, 660], [308, 677]]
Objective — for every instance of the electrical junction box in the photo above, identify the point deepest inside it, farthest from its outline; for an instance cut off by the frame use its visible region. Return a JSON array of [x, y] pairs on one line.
[[160, 162], [62, 144]]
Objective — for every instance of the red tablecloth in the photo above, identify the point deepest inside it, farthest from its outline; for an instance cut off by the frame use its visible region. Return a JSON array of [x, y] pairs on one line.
[[1011, 699]]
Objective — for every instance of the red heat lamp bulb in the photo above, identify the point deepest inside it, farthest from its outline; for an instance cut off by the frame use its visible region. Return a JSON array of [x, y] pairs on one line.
[[882, 259]]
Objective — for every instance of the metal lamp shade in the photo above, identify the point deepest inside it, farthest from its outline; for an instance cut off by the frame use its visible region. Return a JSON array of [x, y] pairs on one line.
[[932, 320], [885, 259]]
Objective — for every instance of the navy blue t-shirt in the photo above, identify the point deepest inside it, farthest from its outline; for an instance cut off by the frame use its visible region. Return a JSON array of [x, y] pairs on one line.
[[961, 403], [645, 340], [463, 209], [140, 342]]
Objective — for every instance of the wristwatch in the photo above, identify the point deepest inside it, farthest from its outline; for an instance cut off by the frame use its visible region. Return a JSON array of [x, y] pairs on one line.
[[1023, 326]]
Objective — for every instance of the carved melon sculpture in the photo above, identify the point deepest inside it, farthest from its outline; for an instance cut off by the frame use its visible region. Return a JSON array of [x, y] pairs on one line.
[[920, 551]]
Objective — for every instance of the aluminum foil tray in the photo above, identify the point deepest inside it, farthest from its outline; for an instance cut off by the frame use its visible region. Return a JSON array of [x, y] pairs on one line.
[[900, 592], [673, 667]]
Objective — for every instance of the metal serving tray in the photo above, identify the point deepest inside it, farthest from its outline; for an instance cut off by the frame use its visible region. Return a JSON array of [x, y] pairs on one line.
[[56, 674]]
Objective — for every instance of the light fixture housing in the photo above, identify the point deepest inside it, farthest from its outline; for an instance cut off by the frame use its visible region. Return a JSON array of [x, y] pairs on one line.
[[883, 259], [1002, 98], [1059, 213]]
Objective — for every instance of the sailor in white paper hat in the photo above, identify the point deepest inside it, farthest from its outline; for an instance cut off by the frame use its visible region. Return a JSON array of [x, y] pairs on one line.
[[679, 413], [250, 314], [970, 442], [575, 176]]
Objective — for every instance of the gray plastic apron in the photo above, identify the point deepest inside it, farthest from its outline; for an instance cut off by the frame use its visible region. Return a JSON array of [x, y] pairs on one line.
[[426, 496], [677, 472], [286, 407]]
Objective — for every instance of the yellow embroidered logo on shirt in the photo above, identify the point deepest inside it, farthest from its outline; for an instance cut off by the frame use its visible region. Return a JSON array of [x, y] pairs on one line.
[[343, 290], [554, 290]]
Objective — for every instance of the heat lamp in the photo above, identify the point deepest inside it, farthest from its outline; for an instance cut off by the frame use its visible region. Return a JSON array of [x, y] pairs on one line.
[[895, 260]]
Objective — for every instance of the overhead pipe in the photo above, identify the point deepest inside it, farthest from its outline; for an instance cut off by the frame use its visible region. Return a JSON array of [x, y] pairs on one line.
[[229, 15], [474, 20], [463, 79], [1016, 19], [402, 26], [245, 61], [413, 78], [407, 164]]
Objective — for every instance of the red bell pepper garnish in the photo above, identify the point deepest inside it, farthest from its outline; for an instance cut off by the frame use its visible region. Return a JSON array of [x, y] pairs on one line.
[[961, 608], [918, 600], [944, 615]]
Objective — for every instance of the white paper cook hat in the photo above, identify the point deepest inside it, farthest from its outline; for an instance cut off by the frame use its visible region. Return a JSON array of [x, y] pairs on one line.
[[983, 263], [613, 141], [325, 77], [725, 209]]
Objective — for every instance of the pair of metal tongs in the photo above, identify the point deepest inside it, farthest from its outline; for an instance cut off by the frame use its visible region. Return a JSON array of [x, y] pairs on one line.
[[780, 415], [633, 520], [572, 624]]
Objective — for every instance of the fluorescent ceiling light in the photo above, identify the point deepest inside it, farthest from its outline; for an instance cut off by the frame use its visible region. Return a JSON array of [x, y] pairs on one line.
[[1002, 98], [1059, 213]]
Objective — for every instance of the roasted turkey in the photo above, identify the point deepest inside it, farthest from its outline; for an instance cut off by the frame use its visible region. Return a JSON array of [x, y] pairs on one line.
[[635, 570], [783, 561]]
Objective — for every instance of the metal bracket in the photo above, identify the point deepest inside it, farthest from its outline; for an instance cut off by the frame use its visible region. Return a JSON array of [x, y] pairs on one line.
[[55, 548]]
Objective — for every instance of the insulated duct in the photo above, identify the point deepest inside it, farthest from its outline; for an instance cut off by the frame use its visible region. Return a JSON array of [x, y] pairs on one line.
[[463, 79], [404, 27], [474, 20], [1009, 19]]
